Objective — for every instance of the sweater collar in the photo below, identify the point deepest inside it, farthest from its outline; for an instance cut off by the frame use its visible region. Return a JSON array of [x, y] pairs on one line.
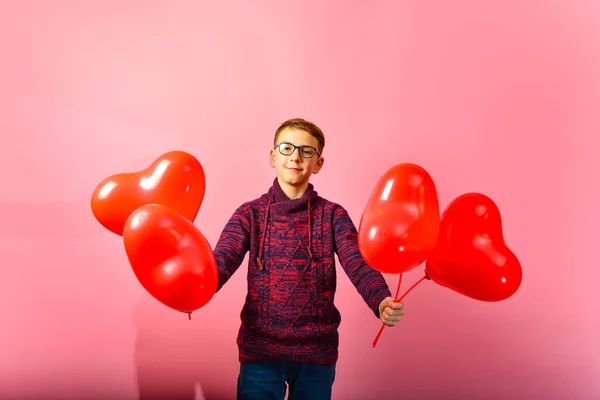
[[281, 204]]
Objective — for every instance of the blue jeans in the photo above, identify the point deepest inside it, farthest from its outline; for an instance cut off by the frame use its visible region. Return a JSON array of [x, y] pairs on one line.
[[266, 380]]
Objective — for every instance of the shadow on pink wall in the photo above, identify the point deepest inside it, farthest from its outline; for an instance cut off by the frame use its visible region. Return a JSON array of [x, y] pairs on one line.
[[173, 355]]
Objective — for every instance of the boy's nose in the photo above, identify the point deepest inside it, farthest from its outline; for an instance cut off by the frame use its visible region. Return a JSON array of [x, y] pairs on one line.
[[295, 155]]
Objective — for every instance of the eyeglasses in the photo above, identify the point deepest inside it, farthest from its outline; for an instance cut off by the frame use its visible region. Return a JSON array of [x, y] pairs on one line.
[[287, 149]]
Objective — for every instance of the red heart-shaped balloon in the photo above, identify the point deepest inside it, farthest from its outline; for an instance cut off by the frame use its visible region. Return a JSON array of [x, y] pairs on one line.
[[399, 226], [175, 179], [170, 257], [471, 256]]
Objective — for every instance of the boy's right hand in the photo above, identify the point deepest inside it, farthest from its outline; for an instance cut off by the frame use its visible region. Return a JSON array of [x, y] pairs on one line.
[[391, 312]]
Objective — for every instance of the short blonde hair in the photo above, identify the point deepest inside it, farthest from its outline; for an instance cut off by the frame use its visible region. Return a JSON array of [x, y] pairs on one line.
[[299, 123]]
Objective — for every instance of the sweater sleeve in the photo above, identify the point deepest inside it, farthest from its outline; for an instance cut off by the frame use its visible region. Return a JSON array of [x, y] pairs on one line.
[[233, 244], [369, 282]]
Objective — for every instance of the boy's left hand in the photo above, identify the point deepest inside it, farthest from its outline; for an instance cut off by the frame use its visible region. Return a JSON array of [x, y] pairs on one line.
[[390, 313]]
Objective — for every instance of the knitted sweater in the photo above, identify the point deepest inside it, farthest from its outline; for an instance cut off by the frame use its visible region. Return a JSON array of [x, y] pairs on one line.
[[289, 314]]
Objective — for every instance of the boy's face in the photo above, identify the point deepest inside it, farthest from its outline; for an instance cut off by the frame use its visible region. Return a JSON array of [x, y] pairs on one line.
[[294, 169]]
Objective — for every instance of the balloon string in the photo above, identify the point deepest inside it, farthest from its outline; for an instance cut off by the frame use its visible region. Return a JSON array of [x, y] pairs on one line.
[[413, 286], [398, 288], [398, 300], [395, 297], [190, 316]]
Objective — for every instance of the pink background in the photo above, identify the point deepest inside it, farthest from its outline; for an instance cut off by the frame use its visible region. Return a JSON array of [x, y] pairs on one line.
[[499, 97]]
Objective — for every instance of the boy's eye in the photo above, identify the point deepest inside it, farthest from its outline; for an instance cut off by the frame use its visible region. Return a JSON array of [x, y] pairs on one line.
[[307, 151]]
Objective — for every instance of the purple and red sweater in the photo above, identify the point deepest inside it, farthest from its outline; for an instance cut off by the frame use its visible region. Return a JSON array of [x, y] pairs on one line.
[[289, 313]]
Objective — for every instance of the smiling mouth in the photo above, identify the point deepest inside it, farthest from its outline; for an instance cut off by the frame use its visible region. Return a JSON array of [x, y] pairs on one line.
[[294, 169]]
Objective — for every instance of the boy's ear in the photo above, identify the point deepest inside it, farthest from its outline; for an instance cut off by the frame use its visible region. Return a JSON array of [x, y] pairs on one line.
[[272, 157], [320, 162]]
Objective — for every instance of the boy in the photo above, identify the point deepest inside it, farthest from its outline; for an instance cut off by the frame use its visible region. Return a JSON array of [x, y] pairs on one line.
[[289, 329]]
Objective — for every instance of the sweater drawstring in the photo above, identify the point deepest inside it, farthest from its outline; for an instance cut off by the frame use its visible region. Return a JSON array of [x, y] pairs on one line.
[[262, 238], [259, 259], [309, 233]]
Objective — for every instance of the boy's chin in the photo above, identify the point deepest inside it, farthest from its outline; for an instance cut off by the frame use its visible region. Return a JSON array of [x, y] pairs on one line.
[[293, 181]]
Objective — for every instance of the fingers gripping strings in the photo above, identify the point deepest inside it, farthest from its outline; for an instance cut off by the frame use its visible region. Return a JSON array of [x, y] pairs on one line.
[[398, 300]]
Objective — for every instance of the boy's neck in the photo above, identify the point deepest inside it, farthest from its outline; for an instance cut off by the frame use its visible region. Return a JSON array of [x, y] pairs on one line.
[[292, 192]]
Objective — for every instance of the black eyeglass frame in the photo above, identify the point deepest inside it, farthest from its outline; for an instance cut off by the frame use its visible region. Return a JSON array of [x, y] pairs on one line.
[[299, 148]]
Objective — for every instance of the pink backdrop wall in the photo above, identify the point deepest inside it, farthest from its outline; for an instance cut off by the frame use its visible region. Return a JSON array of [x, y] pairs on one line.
[[498, 97]]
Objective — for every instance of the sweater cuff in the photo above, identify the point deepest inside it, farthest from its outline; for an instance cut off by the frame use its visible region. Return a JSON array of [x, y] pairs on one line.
[[378, 298]]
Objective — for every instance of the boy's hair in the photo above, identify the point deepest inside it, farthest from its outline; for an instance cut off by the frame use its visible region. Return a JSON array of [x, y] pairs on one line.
[[299, 123]]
